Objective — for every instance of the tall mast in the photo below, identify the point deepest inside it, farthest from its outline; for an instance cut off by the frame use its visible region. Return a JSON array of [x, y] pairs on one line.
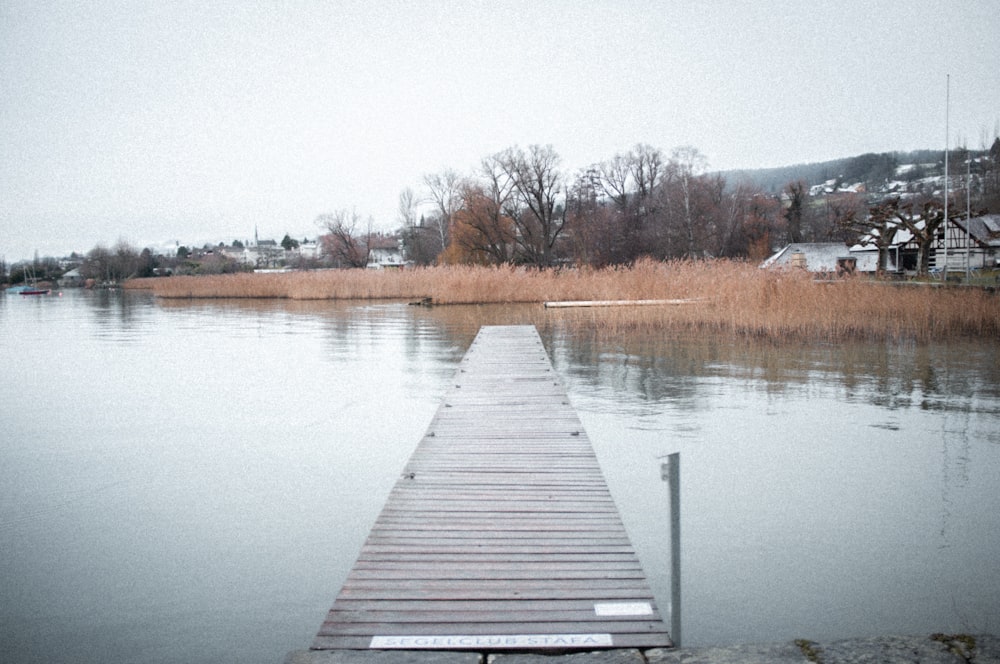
[[968, 214], [947, 104]]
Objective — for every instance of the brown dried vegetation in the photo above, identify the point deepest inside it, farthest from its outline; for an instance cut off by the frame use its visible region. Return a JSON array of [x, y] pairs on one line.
[[727, 298]]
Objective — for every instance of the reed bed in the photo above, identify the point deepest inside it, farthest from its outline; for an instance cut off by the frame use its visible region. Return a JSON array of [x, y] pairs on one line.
[[726, 298]]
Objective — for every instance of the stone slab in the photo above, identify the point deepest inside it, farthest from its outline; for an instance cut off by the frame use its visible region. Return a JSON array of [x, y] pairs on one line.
[[886, 650], [777, 653], [924, 649], [619, 656], [382, 657]]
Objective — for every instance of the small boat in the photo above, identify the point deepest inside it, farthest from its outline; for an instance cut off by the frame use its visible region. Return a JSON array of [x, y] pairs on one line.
[[30, 285]]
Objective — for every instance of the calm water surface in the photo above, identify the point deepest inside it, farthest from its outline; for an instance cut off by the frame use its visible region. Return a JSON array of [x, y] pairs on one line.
[[191, 482]]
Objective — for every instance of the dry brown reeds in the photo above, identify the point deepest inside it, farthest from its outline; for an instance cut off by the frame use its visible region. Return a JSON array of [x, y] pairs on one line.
[[731, 298]]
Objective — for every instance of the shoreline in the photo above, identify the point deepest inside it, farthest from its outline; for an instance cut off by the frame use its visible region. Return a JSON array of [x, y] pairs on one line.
[[939, 648], [726, 297]]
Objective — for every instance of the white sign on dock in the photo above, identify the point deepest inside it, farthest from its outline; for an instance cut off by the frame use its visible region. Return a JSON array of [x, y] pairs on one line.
[[509, 641], [624, 609]]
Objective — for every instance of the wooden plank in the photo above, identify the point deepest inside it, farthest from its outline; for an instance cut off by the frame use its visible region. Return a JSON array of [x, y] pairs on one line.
[[488, 627], [525, 572], [500, 532], [484, 568], [487, 644], [496, 607], [433, 594], [445, 616], [599, 524], [620, 303], [489, 557]]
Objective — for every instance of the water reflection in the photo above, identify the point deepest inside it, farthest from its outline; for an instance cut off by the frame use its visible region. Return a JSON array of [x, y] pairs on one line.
[[117, 316], [892, 375], [204, 472], [807, 468]]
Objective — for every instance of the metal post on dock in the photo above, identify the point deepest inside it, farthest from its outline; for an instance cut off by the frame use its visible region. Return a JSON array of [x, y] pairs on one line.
[[670, 472]]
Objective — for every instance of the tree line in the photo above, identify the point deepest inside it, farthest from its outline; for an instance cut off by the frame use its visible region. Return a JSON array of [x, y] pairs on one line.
[[519, 207]]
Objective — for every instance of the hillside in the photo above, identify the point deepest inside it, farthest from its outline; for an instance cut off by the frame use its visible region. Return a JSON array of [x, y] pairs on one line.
[[868, 168]]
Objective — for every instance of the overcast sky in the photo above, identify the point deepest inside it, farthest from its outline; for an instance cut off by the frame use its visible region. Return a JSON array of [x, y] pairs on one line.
[[198, 121]]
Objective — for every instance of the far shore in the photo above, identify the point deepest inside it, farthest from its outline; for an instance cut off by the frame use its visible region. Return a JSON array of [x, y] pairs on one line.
[[720, 296]]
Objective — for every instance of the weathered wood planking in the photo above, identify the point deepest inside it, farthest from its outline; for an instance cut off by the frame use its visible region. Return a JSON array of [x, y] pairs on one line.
[[500, 532]]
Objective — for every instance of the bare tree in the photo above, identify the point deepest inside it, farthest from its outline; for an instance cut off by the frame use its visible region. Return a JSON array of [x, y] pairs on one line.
[[347, 244], [686, 164], [796, 192], [416, 238], [482, 232], [923, 226], [613, 178], [421, 242], [735, 207], [407, 208], [923, 222], [761, 222], [631, 182], [486, 229], [990, 197], [111, 266], [612, 226], [838, 211], [591, 221], [877, 229], [537, 186], [97, 264], [445, 191], [646, 168], [126, 261]]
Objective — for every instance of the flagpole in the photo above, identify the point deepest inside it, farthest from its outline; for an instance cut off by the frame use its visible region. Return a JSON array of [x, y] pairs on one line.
[[968, 214], [947, 137]]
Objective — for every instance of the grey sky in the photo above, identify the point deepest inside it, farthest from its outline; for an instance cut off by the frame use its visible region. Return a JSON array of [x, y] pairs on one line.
[[197, 121]]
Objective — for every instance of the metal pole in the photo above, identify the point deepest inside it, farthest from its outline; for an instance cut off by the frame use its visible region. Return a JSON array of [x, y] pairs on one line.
[[968, 215], [671, 473], [947, 138]]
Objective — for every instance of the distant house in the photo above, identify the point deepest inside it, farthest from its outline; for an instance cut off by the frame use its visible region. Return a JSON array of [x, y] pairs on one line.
[[384, 252], [307, 249], [867, 258], [240, 253], [901, 252], [972, 242], [822, 257], [265, 253], [72, 279]]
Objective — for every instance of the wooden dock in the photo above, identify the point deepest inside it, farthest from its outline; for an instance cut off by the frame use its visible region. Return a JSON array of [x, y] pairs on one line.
[[500, 533]]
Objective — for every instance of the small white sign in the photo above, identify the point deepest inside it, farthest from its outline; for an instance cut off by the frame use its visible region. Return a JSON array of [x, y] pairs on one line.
[[501, 641], [624, 609]]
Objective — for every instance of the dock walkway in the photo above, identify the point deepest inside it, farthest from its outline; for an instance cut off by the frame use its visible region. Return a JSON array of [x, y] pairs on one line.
[[501, 533]]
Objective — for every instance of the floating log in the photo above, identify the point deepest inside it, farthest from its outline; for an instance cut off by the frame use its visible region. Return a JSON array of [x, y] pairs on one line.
[[618, 303]]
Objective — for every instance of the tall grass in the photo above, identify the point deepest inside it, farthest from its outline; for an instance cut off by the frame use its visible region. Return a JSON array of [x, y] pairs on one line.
[[729, 297]]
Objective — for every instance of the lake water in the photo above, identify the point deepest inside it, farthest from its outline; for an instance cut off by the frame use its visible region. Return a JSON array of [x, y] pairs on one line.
[[191, 482]]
